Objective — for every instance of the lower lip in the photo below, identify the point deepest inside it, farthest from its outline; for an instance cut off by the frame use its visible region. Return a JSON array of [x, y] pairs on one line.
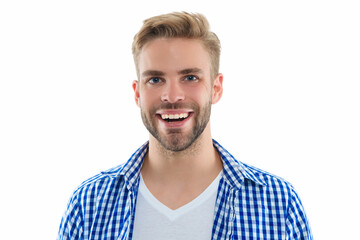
[[177, 124]]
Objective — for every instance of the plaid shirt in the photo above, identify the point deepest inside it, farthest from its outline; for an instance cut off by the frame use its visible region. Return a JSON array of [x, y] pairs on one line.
[[250, 204]]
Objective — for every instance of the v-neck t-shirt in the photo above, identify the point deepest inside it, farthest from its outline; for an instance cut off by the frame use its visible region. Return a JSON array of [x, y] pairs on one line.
[[194, 220]]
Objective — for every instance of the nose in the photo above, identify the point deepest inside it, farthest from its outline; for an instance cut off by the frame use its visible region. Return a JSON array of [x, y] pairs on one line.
[[172, 92]]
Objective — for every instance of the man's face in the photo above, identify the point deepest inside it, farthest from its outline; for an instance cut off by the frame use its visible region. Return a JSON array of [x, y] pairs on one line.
[[175, 91]]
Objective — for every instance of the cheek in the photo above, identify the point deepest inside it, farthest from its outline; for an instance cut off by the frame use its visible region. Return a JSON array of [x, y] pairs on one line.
[[148, 98], [199, 94]]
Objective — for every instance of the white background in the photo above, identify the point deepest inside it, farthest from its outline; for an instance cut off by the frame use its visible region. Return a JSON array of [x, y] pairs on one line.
[[290, 106]]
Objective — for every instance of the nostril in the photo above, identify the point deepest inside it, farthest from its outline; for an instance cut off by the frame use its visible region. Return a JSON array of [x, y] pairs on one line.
[[172, 99], [172, 93], [164, 98]]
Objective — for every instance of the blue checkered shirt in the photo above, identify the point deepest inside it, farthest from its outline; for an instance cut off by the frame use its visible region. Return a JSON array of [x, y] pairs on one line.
[[250, 204]]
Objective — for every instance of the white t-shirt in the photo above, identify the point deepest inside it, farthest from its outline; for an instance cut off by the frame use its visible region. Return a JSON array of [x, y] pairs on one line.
[[154, 220]]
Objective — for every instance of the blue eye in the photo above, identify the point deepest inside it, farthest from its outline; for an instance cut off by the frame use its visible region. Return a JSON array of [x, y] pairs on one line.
[[191, 78], [154, 80]]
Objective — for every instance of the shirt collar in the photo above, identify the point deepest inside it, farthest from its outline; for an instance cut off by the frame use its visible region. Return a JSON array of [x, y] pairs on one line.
[[130, 170], [234, 172]]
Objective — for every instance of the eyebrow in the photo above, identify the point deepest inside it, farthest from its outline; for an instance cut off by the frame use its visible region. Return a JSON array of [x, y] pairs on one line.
[[190, 70], [148, 73], [152, 73]]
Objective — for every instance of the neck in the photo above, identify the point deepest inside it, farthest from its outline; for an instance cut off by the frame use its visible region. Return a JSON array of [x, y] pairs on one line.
[[199, 160]]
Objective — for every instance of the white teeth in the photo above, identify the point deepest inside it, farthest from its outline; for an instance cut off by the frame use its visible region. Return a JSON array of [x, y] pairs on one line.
[[174, 116]]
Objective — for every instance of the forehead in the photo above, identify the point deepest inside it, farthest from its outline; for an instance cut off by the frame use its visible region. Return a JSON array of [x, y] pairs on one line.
[[174, 54]]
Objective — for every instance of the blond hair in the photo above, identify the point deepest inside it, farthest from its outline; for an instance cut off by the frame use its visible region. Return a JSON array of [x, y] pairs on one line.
[[179, 25]]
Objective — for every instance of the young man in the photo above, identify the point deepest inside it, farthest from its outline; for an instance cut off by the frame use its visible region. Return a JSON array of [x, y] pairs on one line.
[[182, 184]]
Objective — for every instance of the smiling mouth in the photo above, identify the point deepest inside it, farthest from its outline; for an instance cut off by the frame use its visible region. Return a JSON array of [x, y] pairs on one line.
[[174, 117]]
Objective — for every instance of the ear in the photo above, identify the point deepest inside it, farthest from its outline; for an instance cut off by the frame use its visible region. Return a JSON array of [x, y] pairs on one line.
[[217, 88], [135, 86]]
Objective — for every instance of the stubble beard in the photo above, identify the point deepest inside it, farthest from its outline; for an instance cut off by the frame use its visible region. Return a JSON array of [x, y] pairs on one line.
[[175, 140]]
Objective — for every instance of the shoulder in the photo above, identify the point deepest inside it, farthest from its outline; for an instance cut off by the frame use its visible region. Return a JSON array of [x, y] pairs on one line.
[[282, 194], [263, 192], [93, 197], [241, 175], [275, 187], [88, 193], [114, 179], [100, 196], [100, 184], [269, 179]]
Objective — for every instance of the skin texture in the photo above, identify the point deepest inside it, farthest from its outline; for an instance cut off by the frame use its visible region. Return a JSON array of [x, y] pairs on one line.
[[175, 79]]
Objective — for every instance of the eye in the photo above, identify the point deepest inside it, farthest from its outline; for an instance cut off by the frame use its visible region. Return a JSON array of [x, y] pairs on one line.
[[191, 78], [154, 80]]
